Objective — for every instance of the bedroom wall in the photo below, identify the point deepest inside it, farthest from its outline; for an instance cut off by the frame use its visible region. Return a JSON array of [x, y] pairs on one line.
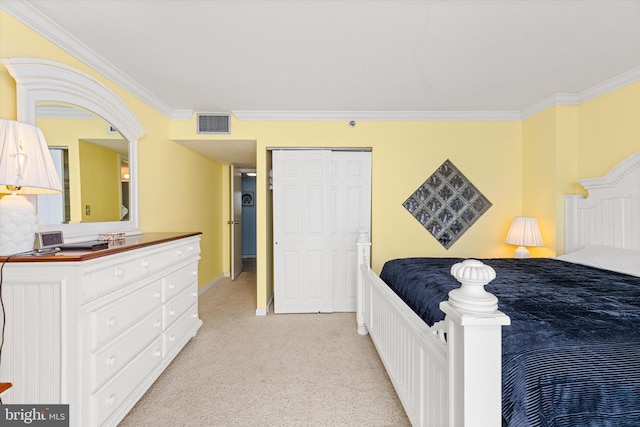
[[171, 177], [404, 155], [564, 144], [609, 130]]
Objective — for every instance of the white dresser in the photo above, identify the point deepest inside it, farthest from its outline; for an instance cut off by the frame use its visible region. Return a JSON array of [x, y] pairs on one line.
[[96, 329]]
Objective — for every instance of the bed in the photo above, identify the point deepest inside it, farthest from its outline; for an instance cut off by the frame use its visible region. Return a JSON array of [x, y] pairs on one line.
[[564, 347]]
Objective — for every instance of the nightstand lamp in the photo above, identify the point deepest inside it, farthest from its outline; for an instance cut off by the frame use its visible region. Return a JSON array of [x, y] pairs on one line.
[[26, 167], [524, 232]]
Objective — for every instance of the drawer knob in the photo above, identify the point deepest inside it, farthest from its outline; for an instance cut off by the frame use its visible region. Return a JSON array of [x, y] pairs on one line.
[[158, 353], [111, 400], [172, 312], [112, 361], [192, 248], [172, 338], [194, 294], [179, 252], [194, 273], [112, 322], [145, 263], [156, 295], [119, 272], [172, 285], [157, 324]]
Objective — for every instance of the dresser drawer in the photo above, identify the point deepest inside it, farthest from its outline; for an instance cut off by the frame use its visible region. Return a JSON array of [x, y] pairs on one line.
[[174, 308], [175, 282], [176, 333], [115, 392], [121, 314], [112, 358], [103, 276]]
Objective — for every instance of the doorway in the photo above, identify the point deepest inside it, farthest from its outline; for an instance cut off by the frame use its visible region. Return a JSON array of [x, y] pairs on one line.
[[242, 219]]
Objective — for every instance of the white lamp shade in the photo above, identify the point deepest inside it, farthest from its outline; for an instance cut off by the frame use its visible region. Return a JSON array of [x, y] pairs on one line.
[[26, 167], [25, 161], [524, 232]]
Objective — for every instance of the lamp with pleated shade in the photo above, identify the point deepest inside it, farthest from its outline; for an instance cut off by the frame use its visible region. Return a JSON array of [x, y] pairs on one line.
[[26, 167], [524, 232]]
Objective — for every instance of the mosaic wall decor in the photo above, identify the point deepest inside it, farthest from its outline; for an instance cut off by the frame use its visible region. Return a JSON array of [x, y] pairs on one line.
[[447, 204]]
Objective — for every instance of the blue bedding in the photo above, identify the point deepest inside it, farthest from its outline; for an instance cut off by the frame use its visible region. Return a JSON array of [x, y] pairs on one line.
[[571, 356]]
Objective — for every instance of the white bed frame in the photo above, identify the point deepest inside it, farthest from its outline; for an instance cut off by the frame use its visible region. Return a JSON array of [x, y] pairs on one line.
[[450, 374]]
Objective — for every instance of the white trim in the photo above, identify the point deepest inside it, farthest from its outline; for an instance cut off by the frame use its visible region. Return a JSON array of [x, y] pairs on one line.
[[34, 19], [210, 285], [377, 115], [43, 80], [609, 85], [265, 311], [182, 114]]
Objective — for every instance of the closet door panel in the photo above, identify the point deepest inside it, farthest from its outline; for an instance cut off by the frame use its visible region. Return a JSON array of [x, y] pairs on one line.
[[351, 200], [302, 238]]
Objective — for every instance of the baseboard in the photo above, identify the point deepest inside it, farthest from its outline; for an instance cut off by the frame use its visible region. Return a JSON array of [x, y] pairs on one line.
[[213, 282], [263, 311]]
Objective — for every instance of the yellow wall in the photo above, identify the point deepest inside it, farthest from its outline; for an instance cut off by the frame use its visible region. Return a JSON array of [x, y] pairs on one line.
[[608, 130], [404, 155], [67, 133], [100, 192], [171, 177], [564, 144], [523, 167]]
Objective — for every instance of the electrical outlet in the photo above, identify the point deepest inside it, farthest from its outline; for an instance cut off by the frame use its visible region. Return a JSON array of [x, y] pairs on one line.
[[87, 210]]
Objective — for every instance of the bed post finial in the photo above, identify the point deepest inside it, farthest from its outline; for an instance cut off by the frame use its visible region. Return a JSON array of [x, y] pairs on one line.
[[471, 295]]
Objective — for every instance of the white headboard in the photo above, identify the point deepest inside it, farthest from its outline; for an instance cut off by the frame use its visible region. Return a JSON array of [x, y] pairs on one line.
[[610, 215]]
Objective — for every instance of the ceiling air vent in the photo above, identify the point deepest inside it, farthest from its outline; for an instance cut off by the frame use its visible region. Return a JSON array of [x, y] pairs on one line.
[[213, 123]]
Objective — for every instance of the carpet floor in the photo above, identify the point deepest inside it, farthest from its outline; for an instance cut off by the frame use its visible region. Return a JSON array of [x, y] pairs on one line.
[[274, 370]]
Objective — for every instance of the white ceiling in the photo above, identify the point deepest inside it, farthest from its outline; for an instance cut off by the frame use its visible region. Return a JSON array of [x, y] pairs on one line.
[[381, 57]]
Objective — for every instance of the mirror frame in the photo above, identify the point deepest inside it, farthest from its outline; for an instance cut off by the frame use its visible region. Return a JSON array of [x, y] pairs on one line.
[[42, 80]]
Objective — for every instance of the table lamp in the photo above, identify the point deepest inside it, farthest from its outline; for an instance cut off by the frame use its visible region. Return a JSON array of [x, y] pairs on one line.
[[524, 232], [26, 167]]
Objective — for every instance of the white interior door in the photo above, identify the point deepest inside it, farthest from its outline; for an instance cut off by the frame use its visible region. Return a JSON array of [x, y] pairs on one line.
[[320, 200], [235, 222], [302, 231], [351, 210]]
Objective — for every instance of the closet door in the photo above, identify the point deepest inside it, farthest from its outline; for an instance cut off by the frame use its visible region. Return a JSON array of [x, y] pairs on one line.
[[302, 231], [351, 210], [320, 200]]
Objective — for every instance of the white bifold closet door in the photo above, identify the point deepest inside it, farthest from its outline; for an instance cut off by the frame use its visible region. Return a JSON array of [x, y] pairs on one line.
[[320, 200]]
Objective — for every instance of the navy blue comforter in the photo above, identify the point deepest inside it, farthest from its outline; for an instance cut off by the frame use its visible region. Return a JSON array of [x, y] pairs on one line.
[[571, 356]]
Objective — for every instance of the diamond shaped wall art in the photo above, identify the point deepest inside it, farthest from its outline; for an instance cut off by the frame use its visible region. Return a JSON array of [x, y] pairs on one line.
[[447, 204]]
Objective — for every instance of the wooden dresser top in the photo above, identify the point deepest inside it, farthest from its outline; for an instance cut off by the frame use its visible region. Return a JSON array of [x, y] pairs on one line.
[[128, 244]]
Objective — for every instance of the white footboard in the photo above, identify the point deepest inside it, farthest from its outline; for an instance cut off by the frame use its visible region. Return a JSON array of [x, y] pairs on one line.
[[448, 374]]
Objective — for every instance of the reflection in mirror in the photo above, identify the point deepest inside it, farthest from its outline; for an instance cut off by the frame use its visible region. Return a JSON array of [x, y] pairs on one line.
[[92, 159]]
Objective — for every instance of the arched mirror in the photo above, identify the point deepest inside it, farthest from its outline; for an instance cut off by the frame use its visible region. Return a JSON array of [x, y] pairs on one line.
[[92, 135], [92, 160]]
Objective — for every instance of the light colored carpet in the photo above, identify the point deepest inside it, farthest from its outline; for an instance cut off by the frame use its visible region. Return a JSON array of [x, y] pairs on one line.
[[275, 370]]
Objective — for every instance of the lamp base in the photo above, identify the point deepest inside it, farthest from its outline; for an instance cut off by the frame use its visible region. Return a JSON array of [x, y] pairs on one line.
[[18, 225], [521, 252]]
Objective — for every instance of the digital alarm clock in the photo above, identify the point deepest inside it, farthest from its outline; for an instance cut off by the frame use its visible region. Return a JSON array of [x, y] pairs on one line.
[[48, 240]]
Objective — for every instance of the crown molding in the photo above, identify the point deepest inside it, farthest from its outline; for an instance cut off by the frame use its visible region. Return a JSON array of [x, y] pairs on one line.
[[609, 85], [378, 115], [40, 23], [182, 114]]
